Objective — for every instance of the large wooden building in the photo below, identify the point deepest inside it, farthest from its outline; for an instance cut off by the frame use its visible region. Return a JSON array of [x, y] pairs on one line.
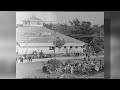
[[33, 36]]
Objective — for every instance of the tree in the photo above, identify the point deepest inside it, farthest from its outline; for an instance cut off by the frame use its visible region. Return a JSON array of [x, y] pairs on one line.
[[86, 27], [96, 29], [49, 26], [58, 43], [75, 22], [96, 44]]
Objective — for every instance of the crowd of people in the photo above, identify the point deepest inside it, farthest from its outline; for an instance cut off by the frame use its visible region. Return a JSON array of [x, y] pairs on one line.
[[39, 55], [34, 55], [83, 67]]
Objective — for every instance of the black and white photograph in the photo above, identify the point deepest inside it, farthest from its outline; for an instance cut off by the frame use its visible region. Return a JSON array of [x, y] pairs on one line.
[[59, 45]]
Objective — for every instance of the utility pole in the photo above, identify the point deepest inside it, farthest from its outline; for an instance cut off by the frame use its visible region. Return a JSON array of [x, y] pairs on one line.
[[27, 43], [54, 41], [53, 28]]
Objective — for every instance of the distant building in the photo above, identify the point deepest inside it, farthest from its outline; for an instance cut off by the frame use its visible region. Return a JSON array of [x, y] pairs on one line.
[[33, 36], [33, 21]]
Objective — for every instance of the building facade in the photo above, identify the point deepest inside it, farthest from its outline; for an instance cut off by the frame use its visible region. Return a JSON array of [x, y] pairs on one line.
[[32, 36], [33, 21]]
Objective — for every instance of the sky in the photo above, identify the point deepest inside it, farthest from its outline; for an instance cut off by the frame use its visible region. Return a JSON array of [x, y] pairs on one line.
[[62, 17]]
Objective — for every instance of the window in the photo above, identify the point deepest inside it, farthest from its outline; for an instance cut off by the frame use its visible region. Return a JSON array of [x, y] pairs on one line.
[[83, 46], [51, 48], [70, 46], [76, 46], [84, 50]]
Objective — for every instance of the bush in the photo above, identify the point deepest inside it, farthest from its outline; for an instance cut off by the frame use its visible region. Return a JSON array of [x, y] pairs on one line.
[[53, 64]]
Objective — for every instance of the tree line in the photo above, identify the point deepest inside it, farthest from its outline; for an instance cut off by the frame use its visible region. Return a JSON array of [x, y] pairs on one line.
[[82, 30]]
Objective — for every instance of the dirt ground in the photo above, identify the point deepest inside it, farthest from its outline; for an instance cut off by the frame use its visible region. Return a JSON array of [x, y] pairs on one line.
[[34, 70]]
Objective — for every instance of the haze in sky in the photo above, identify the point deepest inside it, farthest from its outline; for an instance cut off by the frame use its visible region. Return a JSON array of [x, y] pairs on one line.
[[62, 17]]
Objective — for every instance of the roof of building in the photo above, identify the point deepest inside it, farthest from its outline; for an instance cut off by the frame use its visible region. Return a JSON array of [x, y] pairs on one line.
[[33, 18], [32, 34]]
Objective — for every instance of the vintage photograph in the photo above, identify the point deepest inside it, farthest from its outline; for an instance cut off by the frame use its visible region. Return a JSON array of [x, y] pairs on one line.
[[59, 45]]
